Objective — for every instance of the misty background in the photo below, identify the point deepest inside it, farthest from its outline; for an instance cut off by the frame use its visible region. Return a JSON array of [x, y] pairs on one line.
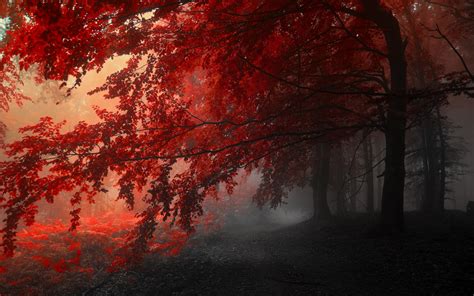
[[47, 99]]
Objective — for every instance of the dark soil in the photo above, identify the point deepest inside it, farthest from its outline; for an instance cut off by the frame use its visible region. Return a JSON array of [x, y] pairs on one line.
[[433, 257]]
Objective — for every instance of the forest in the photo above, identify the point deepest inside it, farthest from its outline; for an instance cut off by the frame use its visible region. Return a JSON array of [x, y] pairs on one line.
[[231, 147]]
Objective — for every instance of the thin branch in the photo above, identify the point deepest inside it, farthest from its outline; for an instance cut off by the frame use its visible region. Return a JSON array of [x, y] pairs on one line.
[[445, 38]]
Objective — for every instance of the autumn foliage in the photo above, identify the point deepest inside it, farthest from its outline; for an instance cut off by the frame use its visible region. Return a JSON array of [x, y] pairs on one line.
[[48, 253], [210, 89]]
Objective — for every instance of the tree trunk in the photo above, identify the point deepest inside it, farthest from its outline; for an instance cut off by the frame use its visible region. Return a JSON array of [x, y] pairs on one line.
[[380, 171], [394, 182], [353, 186], [442, 163], [368, 155], [339, 179], [430, 167], [320, 182]]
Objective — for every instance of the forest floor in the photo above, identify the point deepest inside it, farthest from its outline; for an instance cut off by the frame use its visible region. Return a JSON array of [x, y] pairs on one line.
[[431, 258]]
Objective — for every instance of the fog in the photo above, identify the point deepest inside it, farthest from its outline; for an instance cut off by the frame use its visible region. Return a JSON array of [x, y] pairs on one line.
[[247, 152], [461, 112], [48, 100]]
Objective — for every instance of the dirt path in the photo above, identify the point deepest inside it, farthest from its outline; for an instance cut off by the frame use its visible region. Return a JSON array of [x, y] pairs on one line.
[[301, 260]]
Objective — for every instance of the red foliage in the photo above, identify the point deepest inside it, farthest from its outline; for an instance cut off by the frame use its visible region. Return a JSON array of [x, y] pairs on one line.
[[207, 79], [211, 88], [54, 254]]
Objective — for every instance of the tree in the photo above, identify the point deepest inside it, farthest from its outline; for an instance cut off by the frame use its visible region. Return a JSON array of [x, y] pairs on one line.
[[431, 151], [339, 178], [320, 181], [368, 157], [210, 88]]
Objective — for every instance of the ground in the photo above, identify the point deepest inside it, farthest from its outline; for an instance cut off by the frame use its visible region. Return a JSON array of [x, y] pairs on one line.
[[431, 258]]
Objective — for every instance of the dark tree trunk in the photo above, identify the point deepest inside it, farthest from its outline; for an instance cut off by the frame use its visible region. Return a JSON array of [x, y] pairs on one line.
[[320, 182], [442, 163], [339, 179], [368, 155], [380, 171], [394, 181], [430, 167], [315, 178], [353, 187]]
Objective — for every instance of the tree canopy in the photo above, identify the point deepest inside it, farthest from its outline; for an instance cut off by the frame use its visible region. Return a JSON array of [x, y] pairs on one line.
[[210, 88]]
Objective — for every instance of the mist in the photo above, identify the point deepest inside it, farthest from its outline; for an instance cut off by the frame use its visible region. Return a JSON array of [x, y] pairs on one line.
[[237, 147]]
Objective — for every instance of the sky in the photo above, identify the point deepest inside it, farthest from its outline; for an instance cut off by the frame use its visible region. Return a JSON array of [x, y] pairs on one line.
[[50, 101]]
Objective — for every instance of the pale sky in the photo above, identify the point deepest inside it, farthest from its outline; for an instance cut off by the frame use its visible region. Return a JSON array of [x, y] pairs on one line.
[[73, 109]]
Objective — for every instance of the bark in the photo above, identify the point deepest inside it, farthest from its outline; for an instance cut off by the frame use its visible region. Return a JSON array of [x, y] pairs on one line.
[[394, 182], [353, 186], [430, 167], [442, 163], [368, 155], [320, 182], [339, 179], [380, 171]]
